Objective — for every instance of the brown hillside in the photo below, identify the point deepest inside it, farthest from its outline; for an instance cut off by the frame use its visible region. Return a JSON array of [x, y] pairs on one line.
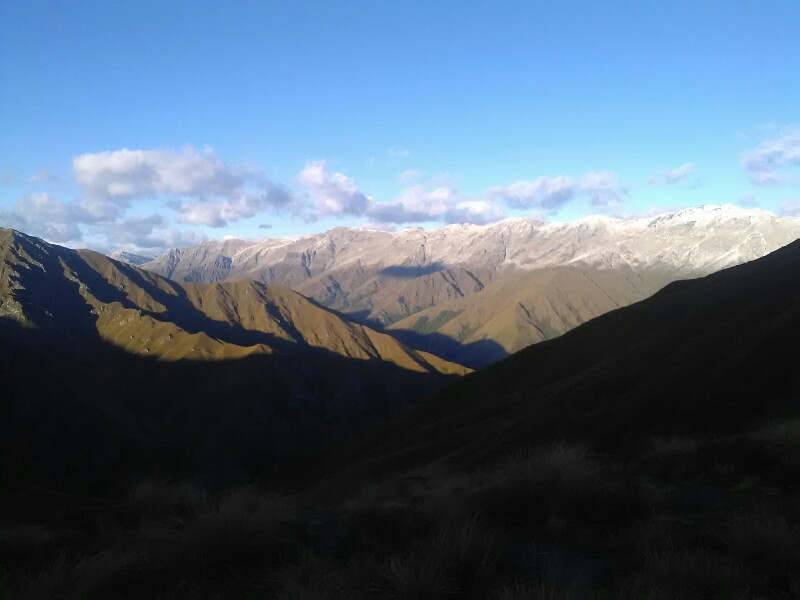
[[518, 309], [144, 313]]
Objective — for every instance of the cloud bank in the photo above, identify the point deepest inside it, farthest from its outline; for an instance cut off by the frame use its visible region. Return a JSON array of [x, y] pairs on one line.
[[203, 189], [146, 201], [766, 164]]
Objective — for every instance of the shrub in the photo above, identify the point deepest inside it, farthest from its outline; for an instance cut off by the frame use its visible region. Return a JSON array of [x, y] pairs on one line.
[[555, 483]]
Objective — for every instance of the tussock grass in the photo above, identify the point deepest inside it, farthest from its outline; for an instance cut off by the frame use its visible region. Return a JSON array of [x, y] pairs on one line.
[[416, 578], [673, 456], [546, 589], [313, 576], [459, 558], [238, 528], [76, 579], [785, 433], [312, 590], [554, 484], [694, 573], [436, 532], [377, 525], [764, 540]]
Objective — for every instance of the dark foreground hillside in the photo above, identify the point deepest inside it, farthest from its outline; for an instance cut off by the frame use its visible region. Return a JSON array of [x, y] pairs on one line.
[[89, 418], [650, 453], [708, 357]]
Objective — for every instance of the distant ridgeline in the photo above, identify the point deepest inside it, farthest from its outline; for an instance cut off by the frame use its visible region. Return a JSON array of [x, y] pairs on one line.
[[474, 294]]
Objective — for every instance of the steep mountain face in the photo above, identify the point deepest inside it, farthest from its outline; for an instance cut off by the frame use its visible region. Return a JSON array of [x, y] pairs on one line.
[[144, 313], [147, 369], [706, 357], [464, 270], [130, 258]]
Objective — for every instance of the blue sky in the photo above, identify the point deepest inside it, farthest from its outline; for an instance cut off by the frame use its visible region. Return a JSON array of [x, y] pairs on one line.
[[145, 125]]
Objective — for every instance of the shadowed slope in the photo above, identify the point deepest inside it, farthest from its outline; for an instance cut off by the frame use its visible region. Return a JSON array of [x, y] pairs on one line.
[[108, 371], [707, 356]]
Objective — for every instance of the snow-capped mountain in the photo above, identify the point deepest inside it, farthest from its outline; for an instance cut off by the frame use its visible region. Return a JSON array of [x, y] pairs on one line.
[[386, 277], [130, 258], [695, 240]]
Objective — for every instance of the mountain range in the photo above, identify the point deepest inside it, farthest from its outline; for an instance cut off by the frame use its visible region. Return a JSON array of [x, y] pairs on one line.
[[474, 294]]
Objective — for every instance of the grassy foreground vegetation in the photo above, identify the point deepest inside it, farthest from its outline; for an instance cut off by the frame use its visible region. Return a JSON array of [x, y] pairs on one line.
[[710, 518]]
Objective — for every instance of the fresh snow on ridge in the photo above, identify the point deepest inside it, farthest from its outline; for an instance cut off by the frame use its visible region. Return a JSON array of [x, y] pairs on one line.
[[691, 241], [130, 258]]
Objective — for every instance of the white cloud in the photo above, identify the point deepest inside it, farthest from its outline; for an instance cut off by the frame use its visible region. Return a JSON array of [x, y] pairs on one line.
[[416, 204], [204, 190], [748, 201], [765, 163], [604, 190], [208, 190], [68, 223], [43, 176], [145, 173], [397, 153], [410, 176], [332, 193], [790, 208], [548, 193], [144, 234], [44, 216], [222, 211], [419, 204], [674, 176], [478, 212]]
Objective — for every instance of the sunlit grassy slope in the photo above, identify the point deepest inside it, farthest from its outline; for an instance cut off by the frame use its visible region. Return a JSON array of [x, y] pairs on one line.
[[87, 293]]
